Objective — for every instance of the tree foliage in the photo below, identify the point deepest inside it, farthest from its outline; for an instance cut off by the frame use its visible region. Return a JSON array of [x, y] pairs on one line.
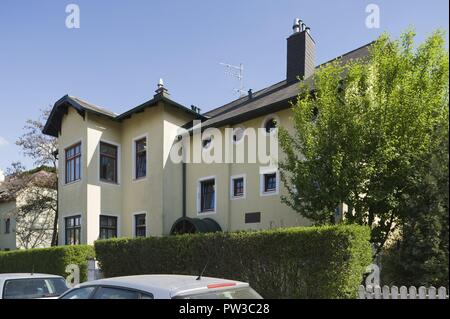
[[35, 144], [42, 149], [364, 134]]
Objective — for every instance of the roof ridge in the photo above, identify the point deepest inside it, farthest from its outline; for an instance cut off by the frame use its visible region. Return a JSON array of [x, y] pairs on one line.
[[245, 97], [240, 101], [346, 53], [91, 104]]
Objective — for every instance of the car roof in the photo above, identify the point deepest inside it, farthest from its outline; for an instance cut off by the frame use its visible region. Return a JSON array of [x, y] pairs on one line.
[[171, 284], [26, 276]]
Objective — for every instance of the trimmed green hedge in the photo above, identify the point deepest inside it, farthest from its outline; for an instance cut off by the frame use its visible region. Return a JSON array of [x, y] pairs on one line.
[[47, 260], [301, 262]]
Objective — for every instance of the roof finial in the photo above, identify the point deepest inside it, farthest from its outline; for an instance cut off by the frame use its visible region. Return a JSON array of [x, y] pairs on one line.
[[160, 83], [161, 90]]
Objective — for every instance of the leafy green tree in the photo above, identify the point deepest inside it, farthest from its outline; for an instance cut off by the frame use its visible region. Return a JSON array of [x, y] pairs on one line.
[[362, 132], [421, 255]]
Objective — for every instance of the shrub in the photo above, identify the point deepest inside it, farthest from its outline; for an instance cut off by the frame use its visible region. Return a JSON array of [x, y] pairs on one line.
[[47, 260], [301, 262]]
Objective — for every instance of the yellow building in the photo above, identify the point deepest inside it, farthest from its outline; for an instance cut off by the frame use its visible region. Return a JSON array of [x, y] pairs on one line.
[[117, 177]]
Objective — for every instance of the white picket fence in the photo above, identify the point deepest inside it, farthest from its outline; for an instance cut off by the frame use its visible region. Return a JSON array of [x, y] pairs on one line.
[[386, 292]]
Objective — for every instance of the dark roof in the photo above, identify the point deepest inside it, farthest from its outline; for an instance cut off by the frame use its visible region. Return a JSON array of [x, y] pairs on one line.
[[269, 99], [53, 124], [44, 177]]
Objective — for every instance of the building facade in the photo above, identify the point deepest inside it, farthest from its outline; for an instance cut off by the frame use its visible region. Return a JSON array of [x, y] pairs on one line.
[[118, 179], [27, 210]]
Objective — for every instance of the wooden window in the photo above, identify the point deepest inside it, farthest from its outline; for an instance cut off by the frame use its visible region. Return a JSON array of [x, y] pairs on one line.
[[141, 158], [270, 182], [140, 225], [207, 195], [238, 187], [108, 227], [108, 162], [73, 230], [73, 163]]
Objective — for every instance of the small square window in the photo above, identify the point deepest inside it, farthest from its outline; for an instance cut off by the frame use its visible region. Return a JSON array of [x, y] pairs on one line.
[[270, 182]]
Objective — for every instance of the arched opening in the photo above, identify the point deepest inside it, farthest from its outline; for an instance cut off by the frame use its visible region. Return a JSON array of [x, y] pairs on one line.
[[186, 225]]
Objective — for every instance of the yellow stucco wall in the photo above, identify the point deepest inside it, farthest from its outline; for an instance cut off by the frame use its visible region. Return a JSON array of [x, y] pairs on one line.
[[230, 213], [72, 197], [159, 194]]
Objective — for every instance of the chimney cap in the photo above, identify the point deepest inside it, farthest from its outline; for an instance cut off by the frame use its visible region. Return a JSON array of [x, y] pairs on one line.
[[297, 25], [196, 109]]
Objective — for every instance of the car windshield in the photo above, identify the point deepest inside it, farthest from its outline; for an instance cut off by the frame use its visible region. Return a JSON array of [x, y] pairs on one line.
[[239, 293], [30, 288]]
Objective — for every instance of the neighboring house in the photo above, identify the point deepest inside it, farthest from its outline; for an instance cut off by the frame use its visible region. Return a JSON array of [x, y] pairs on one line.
[[7, 222], [117, 179], [26, 221]]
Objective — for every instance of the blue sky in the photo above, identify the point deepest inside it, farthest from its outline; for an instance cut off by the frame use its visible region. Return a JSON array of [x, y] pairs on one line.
[[123, 47]]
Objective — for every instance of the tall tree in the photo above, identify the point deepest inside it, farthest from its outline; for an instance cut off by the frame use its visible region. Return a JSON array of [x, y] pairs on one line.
[[42, 150], [364, 130]]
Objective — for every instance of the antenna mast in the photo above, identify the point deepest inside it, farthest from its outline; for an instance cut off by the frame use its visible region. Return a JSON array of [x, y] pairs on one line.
[[237, 72]]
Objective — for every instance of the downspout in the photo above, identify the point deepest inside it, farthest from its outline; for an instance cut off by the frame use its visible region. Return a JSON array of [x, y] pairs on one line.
[[184, 187], [230, 160]]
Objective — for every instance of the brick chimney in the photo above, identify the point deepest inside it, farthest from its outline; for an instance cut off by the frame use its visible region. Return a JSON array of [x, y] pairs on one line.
[[300, 53]]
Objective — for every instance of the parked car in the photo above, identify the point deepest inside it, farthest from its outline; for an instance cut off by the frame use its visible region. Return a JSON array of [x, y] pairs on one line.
[[162, 287], [31, 286]]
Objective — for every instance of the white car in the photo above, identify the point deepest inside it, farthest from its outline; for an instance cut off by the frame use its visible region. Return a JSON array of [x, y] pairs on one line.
[[31, 286], [162, 287]]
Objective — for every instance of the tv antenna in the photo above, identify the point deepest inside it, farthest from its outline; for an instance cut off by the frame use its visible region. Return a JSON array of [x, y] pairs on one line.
[[237, 72]]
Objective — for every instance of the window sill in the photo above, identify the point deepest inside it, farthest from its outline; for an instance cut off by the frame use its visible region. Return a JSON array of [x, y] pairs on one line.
[[71, 183], [109, 183], [206, 212], [269, 193], [237, 197], [140, 179]]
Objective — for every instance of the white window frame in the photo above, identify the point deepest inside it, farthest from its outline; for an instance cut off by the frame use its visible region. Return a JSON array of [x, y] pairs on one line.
[[261, 183], [119, 163], [63, 175], [199, 194], [232, 178], [118, 223], [133, 223], [133, 158]]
